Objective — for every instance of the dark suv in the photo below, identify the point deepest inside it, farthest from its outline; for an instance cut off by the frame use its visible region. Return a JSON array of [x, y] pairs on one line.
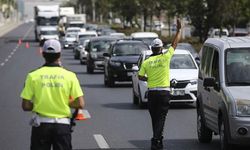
[[119, 61], [95, 48]]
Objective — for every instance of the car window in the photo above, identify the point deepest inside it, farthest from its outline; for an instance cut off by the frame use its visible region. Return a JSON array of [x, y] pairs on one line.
[[238, 66], [129, 49], [49, 32], [182, 61], [215, 66], [101, 45]]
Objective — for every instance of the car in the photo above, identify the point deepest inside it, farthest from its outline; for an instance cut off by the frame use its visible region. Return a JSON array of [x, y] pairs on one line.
[[73, 29], [216, 33], [146, 37], [223, 100], [190, 48], [118, 63], [240, 32], [95, 48], [48, 32], [82, 36], [119, 34], [69, 40], [83, 52], [183, 71]]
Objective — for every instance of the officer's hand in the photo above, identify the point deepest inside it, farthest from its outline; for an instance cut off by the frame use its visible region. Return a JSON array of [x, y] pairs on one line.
[[178, 24]]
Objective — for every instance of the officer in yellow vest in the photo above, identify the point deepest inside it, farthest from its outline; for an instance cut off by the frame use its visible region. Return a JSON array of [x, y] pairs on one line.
[[49, 92], [155, 70]]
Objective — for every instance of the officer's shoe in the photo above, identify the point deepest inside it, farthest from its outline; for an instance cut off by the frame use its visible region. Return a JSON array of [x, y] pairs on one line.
[[156, 144]]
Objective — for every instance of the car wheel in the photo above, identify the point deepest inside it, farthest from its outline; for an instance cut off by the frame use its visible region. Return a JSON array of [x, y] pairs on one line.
[[82, 62], [110, 81], [224, 144], [89, 69], [204, 133]]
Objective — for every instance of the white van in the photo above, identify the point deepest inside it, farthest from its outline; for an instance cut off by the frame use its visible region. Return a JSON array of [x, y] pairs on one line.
[[223, 99], [146, 37], [215, 33]]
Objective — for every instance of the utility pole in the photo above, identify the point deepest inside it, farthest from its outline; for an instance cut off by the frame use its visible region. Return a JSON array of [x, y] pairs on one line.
[[93, 10]]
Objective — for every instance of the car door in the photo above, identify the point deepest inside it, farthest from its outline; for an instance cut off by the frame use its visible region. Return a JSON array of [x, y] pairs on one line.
[[214, 92], [206, 100], [135, 78]]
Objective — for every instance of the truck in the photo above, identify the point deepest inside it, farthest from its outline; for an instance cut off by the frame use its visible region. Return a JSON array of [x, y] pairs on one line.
[[45, 15], [77, 20], [64, 12]]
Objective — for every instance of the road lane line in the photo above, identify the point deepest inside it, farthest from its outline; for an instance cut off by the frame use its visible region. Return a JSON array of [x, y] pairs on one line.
[[6, 59], [101, 142], [2, 64], [27, 33]]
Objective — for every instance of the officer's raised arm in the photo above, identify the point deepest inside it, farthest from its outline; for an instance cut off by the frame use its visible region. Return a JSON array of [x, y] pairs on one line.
[[177, 35]]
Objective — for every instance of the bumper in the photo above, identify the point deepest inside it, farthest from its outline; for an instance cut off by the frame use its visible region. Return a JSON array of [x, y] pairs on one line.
[[184, 95], [98, 65], [237, 123], [121, 74]]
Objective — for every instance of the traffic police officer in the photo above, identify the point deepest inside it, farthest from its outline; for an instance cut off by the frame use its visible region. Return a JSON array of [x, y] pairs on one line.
[[155, 70], [49, 92]]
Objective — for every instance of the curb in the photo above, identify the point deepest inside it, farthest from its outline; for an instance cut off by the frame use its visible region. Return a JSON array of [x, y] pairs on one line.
[[8, 26]]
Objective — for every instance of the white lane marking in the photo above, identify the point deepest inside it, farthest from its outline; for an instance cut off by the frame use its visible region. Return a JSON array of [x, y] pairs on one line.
[[101, 142], [15, 49]]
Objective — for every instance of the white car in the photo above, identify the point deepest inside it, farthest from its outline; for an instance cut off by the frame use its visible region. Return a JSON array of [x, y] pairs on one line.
[[49, 32], [83, 52], [69, 40], [73, 29], [146, 37], [183, 69]]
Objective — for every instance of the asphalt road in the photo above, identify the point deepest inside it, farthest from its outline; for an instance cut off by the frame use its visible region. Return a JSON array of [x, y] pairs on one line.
[[115, 122]]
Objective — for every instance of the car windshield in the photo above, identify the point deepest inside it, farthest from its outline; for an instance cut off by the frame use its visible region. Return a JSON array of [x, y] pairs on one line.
[[71, 35], [126, 49], [86, 36], [49, 32], [238, 67], [101, 45], [47, 21], [182, 61], [218, 33]]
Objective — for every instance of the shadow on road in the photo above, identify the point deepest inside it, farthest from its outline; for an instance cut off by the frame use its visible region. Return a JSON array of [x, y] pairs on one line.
[[182, 106], [92, 85], [180, 144]]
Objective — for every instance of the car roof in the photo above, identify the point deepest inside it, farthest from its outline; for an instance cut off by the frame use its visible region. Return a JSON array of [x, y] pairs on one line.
[[144, 35], [229, 42], [129, 41]]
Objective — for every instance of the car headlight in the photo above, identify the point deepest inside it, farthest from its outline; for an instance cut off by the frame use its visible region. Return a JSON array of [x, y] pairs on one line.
[[93, 55], [193, 82], [243, 107], [114, 63]]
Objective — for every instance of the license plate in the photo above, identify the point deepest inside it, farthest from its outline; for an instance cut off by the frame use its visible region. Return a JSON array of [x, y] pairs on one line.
[[98, 62], [129, 73], [178, 92]]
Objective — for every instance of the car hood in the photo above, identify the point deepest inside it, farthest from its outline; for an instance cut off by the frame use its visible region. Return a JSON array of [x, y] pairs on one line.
[[240, 92], [126, 59], [184, 74]]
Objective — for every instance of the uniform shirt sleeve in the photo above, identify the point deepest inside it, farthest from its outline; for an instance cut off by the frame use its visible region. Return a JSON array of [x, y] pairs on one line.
[[142, 70], [170, 52], [76, 90], [28, 90]]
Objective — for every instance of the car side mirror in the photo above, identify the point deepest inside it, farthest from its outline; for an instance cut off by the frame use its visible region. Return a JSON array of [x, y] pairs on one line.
[[197, 60], [135, 68], [209, 82], [106, 55]]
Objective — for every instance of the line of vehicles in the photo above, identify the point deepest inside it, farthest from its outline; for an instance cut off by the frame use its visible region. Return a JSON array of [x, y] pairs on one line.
[[217, 80]]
